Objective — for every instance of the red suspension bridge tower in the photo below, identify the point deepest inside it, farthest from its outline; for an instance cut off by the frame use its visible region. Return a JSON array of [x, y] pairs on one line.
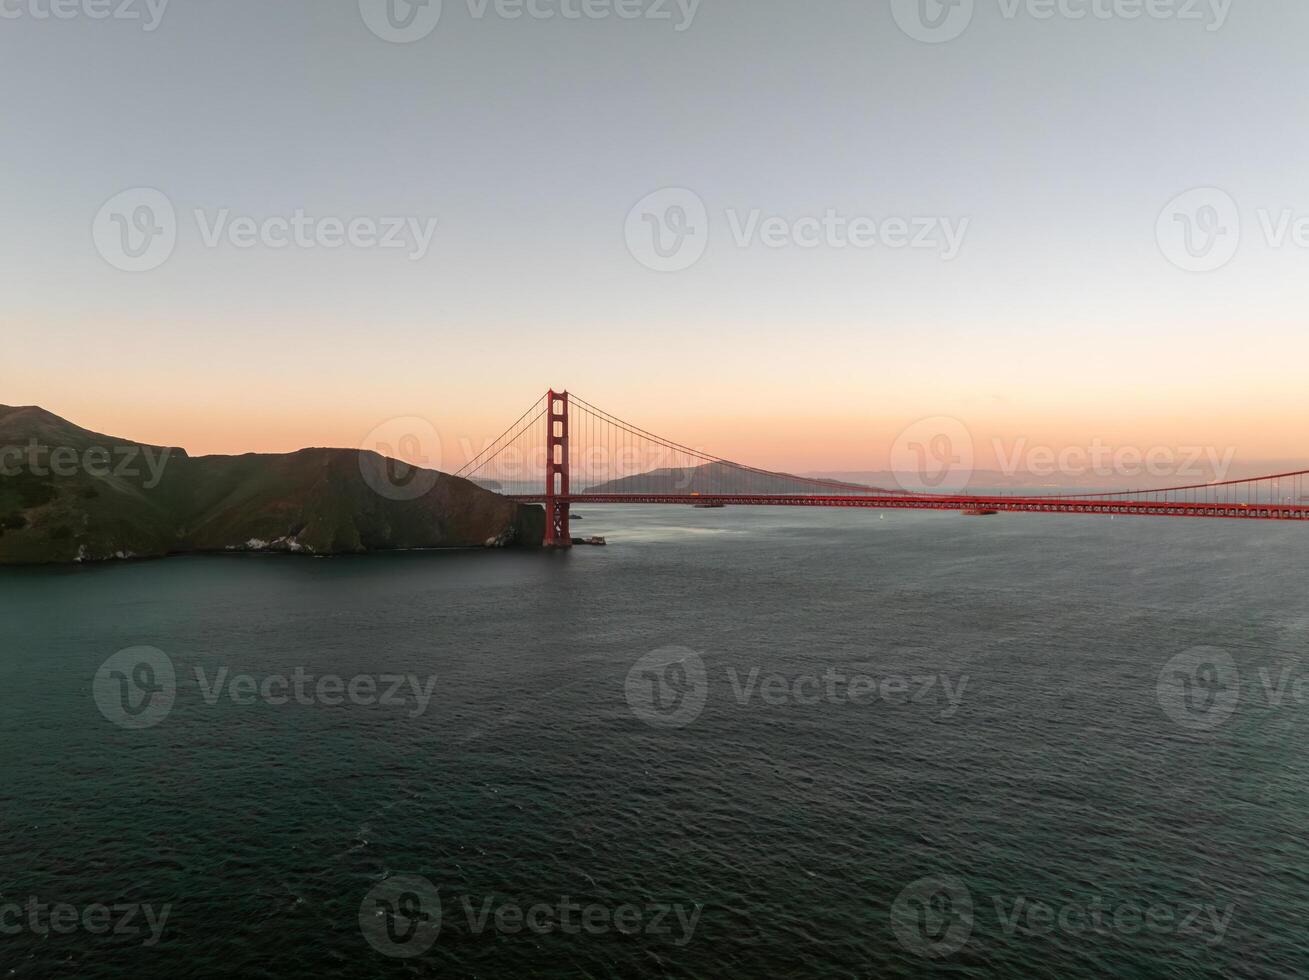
[[557, 490]]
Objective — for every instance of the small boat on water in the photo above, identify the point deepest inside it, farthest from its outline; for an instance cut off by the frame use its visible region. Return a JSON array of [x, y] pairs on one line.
[[980, 512]]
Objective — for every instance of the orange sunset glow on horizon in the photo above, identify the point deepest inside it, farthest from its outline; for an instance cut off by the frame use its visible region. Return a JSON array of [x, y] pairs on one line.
[[809, 429]]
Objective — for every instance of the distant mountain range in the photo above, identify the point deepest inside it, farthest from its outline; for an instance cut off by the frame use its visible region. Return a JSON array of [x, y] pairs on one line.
[[68, 494], [715, 478], [711, 478]]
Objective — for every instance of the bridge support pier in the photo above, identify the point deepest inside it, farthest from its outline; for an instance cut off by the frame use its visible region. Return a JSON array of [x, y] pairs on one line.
[[557, 532]]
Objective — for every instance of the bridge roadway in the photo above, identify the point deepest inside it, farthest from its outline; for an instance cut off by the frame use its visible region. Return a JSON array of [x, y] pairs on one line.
[[1029, 505]]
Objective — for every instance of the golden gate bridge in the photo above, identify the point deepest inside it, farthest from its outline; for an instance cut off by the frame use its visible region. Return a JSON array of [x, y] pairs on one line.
[[564, 451]]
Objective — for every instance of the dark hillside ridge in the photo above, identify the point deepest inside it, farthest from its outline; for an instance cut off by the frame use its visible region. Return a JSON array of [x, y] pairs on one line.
[[68, 494]]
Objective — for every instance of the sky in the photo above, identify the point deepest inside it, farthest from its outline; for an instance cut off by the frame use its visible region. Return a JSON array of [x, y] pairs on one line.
[[786, 232]]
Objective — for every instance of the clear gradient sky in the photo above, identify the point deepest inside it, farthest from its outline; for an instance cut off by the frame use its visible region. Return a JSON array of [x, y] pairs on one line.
[[1061, 320]]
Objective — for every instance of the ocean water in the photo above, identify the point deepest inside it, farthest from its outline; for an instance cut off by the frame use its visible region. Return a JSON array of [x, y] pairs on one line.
[[733, 743]]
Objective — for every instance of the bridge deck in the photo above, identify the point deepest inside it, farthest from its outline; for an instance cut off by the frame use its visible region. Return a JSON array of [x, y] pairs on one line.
[[1031, 505]]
